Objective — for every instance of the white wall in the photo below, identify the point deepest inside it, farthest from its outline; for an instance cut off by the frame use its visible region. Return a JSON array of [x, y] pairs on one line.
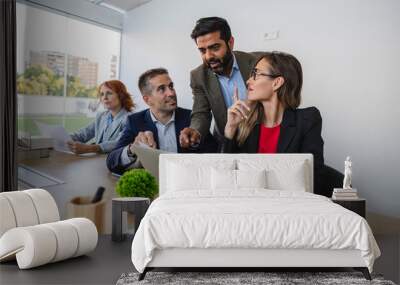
[[350, 52]]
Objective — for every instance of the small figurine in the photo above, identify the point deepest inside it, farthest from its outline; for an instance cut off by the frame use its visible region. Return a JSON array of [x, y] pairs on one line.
[[347, 174]]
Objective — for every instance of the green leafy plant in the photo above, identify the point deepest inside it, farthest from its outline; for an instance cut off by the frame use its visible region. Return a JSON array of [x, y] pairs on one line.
[[137, 183]]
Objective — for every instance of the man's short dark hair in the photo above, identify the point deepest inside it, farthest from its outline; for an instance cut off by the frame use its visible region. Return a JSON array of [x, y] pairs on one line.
[[144, 84], [212, 24]]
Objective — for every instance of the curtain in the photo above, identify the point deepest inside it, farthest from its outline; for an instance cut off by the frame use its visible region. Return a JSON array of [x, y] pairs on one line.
[[8, 96]]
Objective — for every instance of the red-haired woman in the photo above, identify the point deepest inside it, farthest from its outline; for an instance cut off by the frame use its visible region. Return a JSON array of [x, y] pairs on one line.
[[108, 125]]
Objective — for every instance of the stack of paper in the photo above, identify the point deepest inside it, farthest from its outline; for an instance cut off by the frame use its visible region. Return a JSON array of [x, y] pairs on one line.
[[344, 194], [57, 133]]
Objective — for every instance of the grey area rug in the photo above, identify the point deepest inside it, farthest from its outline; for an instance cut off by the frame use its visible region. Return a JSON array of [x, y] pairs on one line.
[[270, 278]]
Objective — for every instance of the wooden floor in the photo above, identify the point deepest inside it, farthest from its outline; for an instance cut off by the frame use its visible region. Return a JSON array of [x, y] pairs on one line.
[[111, 259]]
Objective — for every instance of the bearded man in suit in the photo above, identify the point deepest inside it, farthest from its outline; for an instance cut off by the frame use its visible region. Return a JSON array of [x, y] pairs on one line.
[[213, 82]]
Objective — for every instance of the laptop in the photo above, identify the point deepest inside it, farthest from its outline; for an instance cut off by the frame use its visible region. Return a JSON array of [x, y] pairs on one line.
[[148, 157]]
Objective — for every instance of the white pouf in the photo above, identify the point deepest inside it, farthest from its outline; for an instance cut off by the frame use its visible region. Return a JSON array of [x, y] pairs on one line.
[[31, 232]]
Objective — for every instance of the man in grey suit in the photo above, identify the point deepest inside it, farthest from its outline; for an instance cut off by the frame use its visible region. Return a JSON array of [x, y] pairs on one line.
[[213, 83]]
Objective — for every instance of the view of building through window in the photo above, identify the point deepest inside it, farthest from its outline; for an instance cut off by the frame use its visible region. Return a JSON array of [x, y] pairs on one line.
[[52, 50]]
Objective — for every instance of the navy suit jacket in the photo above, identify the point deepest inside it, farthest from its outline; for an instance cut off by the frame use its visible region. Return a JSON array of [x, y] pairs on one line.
[[142, 121]]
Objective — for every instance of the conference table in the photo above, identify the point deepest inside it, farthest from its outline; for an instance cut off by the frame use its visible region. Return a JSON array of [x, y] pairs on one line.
[[81, 176]]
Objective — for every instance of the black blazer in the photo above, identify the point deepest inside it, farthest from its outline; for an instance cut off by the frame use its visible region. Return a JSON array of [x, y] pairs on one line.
[[300, 133], [140, 122]]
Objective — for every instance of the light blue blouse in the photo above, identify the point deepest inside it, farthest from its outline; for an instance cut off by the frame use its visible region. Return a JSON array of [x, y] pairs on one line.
[[105, 130]]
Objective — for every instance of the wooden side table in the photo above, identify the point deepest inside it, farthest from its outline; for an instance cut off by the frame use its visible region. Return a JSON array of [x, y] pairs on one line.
[[135, 205], [357, 205]]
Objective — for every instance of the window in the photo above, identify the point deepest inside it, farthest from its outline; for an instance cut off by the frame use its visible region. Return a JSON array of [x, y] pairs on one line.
[[60, 63]]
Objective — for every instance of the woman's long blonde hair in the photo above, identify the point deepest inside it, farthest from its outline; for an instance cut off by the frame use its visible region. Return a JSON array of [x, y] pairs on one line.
[[289, 94]]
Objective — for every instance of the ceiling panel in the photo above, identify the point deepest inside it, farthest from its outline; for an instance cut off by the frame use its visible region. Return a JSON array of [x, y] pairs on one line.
[[126, 5]]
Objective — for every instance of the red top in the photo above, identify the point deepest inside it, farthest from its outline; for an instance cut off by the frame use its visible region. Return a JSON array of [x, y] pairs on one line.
[[268, 142]]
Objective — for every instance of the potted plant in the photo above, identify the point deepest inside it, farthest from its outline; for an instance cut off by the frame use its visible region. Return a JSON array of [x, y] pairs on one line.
[[137, 183]]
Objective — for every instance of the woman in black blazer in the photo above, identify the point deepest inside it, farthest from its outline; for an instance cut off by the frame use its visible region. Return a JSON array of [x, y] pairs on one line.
[[270, 121]]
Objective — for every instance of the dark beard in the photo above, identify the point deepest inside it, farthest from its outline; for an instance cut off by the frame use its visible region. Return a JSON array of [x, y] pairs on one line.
[[225, 64]]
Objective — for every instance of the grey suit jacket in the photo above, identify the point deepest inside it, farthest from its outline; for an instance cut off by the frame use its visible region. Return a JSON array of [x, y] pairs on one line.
[[207, 94], [106, 138]]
